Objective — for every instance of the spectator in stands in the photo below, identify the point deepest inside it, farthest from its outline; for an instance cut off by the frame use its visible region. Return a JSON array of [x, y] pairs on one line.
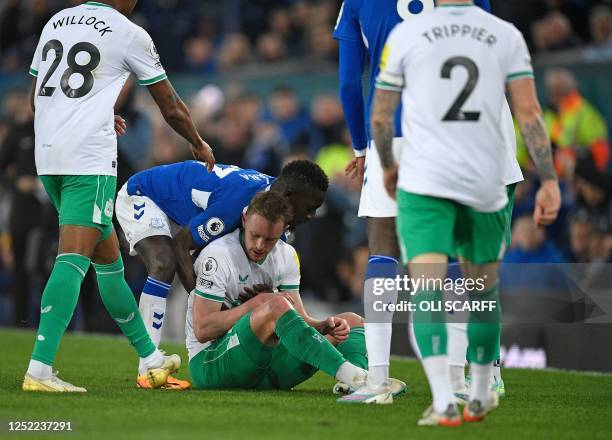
[[199, 56], [593, 192], [280, 23], [328, 121], [601, 32], [580, 235], [17, 160], [270, 47], [135, 145], [530, 245], [235, 51], [554, 32], [529, 265], [287, 112], [321, 44], [601, 26], [573, 123]]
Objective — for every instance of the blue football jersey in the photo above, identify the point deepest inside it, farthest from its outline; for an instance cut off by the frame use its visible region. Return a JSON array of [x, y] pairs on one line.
[[370, 22], [211, 204]]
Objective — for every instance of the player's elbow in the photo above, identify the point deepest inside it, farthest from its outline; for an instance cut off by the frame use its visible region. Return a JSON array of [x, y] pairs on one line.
[[173, 113], [202, 334], [379, 121]]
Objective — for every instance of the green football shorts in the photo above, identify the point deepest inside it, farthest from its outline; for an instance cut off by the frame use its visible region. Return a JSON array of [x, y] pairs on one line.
[[240, 360], [83, 200], [428, 224]]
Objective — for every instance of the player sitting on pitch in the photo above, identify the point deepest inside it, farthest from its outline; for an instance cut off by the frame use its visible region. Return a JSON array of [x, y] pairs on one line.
[[268, 341], [183, 201]]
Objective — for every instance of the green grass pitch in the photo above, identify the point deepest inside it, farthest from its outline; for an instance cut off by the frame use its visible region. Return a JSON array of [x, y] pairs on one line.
[[539, 404]]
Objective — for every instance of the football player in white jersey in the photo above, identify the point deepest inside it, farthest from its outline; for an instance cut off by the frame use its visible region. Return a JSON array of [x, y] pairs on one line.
[[83, 58], [363, 27], [267, 341], [451, 68]]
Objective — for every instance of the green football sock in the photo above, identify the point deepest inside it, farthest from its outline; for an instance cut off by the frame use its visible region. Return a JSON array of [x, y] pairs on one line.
[[496, 357], [57, 305], [354, 348], [121, 305], [484, 329], [306, 344], [429, 326]]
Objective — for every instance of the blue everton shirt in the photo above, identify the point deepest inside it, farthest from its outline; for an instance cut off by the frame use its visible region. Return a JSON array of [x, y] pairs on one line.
[[368, 23], [211, 204]]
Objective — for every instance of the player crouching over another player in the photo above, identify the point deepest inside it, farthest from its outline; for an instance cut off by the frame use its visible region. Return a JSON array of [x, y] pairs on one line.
[[268, 341]]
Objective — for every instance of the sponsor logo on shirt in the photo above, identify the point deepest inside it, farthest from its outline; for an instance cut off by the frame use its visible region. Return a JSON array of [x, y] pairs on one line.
[[153, 50], [202, 234], [108, 209], [204, 282], [157, 223]]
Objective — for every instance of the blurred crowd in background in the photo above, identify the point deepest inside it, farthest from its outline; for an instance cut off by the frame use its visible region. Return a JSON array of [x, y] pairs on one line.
[[206, 36], [265, 131]]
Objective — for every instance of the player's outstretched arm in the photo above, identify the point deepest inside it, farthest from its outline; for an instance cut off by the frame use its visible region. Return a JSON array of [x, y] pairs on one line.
[[528, 114], [333, 325], [211, 322], [383, 130], [352, 56], [183, 243], [177, 115]]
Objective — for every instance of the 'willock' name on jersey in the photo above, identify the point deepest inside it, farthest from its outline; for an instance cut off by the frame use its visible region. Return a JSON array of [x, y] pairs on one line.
[[95, 22], [83, 58]]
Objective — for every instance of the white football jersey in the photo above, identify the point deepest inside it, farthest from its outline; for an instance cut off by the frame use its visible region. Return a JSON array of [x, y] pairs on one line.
[[513, 173], [223, 270], [84, 56], [452, 66]]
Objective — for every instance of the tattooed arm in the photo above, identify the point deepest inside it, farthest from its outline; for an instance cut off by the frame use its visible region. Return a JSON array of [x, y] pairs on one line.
[[383, 130], [528, 114], [383, 124], [177, 115]]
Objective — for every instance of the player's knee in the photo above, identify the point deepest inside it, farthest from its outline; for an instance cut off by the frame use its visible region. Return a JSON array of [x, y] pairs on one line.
[[277, 306], [162, 267], [353, 319], [382, 239]]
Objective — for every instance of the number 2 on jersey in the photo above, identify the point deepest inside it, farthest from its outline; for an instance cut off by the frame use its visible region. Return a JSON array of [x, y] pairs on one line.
[[455, 113], [85, 70]]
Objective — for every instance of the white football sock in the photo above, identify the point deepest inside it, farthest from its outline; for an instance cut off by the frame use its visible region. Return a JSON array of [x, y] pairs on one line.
[[39, 370], [457, 348], [378, 344], [481, 382], [496, 373], [153, 310], [350, 374], [413, 341], [154, 360], [438, 375], [457, 377]]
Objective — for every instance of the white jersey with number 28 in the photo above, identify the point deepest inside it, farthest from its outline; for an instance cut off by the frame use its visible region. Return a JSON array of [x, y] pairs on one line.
[[452, 66], [83, 58]]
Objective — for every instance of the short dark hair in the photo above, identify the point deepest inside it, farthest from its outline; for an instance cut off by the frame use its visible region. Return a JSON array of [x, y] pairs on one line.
[[271, 205], [299, 173]]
